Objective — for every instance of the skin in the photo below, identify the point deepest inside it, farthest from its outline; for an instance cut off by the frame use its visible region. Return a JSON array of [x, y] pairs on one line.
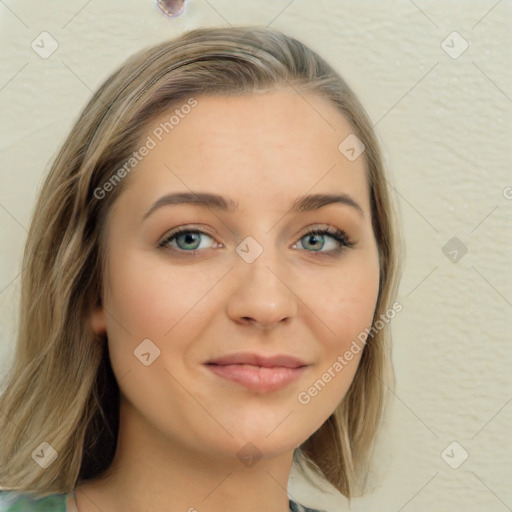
[[182, 426]]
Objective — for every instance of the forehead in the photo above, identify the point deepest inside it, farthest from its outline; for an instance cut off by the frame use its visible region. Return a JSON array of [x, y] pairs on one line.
[[264, 147]]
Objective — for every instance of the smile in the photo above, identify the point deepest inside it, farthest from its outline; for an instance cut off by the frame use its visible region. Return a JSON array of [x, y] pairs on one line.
[[257, 378]]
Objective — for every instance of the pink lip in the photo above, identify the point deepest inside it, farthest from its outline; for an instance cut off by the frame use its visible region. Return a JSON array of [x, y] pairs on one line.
[[257, 372]]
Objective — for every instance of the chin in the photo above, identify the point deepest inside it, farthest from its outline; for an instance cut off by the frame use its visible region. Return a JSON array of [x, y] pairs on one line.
[[273, 438]]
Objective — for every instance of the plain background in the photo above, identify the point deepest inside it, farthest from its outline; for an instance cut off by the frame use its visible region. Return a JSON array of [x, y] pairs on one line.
[[444, 119]]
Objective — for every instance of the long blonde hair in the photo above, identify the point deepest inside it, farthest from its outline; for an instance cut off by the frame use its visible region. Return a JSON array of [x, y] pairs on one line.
[[61, 388]]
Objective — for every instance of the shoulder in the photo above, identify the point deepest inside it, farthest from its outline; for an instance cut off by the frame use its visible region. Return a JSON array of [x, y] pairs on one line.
[[12, 501], [296, 507]]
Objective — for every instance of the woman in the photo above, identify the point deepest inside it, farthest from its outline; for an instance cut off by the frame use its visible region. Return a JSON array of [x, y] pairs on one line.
[[150, 375]]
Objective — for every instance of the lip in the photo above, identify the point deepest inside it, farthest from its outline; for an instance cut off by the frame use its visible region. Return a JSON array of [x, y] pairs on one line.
[[263, 374]]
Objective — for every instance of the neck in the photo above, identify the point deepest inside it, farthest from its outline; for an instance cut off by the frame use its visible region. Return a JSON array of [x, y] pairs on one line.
[[151, 472]]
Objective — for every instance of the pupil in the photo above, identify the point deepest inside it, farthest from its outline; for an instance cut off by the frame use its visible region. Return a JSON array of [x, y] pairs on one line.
[[189, 238], [314, 239]]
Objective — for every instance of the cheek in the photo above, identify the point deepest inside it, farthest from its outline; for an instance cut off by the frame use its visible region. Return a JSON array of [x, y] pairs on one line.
[[346, 303], [148, 299], [345, 309]]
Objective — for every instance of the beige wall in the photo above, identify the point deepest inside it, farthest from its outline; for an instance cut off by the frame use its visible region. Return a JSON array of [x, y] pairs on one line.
[[445, 124]]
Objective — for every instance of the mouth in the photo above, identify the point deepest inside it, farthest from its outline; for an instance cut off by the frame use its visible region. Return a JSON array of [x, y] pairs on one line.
[[258, 373]]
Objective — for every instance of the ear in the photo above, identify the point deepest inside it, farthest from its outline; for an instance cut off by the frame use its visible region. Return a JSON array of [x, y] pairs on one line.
[[98, 320]]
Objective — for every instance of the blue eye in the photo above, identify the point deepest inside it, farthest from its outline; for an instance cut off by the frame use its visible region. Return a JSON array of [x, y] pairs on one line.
[[189, 240], [186, 239], [317, 240]]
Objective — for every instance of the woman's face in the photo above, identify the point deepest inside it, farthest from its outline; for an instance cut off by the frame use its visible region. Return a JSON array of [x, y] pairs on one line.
[[246, 280]]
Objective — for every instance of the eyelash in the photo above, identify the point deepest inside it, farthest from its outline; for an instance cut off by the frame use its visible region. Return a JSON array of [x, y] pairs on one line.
[[340, 236]]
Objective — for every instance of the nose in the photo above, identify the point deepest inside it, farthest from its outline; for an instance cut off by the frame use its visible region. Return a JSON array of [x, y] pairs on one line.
[[263, 295]]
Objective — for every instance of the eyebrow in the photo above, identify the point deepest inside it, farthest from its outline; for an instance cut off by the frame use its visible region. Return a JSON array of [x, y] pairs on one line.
[[205, 199]]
